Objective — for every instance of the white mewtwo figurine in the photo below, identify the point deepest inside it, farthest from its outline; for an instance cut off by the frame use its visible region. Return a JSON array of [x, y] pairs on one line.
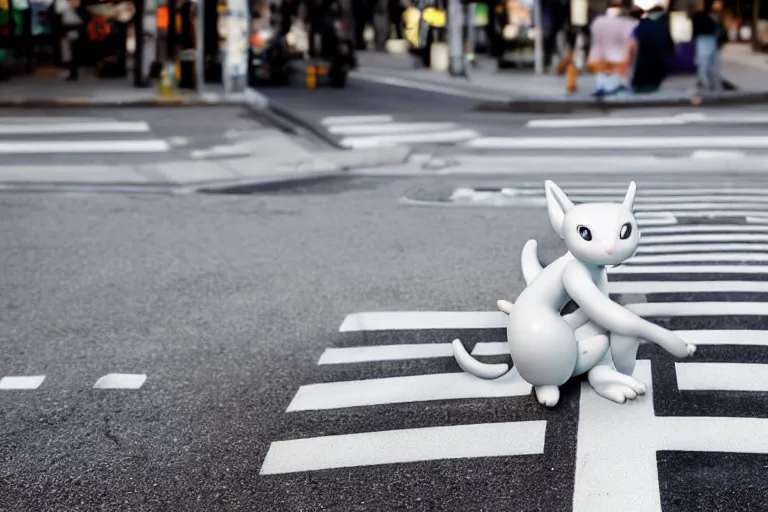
[[548, 348]]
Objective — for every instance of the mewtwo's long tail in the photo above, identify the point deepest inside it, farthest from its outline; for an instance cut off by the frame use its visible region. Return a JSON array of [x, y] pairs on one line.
[[471, 365], [529, 261]]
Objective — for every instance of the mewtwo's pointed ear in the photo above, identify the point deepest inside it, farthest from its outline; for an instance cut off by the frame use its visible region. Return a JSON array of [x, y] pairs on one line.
[[558, 205], [629, 199]]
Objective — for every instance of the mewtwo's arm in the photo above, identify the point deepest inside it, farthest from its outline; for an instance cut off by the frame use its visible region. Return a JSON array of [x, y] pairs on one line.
[[615, 318]]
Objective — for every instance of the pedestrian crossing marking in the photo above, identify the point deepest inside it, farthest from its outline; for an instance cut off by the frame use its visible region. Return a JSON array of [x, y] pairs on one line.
[[384, 353], [632, 121], [671, 248], [402, 352], [359, 132], [69, 128], [395, 390], [590, 143], [351, 120], [721, 376], [406, 445], [617, 445], [717, 286], [380, 129], [77, 133]]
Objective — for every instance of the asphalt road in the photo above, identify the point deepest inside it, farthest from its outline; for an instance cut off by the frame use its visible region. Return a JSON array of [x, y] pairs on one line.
[[443, 123], [226, 304]]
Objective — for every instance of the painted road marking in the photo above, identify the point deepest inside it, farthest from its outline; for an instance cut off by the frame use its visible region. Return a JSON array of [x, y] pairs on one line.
[[385, 353], [405, 320], [681, 119], [406, 445], [378, 353], [599, 122], [709, 237], [413, 138], [82, 127], [660, 199], [713, 337], [343, 120], [421, 320], [380, 128], [121, 381], [721, 377], [616, 287], [704, 228], [672, 207], [81, 146], [586, 143], [698, 257], [687, 248], [689, 269], [613, 473], [644, 189], [21, 382], [395, 390]]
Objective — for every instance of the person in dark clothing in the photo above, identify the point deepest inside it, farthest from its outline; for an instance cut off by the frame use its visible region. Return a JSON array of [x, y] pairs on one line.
[[709, 35], [321, 15], [651, 49]]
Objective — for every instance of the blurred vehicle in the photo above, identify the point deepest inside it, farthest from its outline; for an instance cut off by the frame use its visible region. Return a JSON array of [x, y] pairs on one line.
[[271, 55]]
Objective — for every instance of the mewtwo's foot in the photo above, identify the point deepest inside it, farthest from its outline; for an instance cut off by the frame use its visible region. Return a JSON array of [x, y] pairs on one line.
[[548, 395], [613, 385]]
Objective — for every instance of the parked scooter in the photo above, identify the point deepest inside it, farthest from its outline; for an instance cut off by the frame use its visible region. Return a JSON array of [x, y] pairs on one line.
[[271, 53]]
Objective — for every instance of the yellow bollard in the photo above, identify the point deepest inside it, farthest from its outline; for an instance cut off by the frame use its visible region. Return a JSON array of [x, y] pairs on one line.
[[165, 84], [311, 77]]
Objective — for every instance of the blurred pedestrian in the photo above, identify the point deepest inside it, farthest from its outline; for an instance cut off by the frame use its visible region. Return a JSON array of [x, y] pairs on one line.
[[72, 25], [709, 35], [650, 51], [610, 39]]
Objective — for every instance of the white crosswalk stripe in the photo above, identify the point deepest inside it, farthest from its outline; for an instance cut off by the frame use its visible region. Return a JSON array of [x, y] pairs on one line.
[[53, 135], [725, 141], [383, 130], [616, 455]]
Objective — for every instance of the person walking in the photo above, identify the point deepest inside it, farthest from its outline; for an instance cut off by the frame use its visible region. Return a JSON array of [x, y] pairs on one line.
[[650, 51], [72, 25], [610, 37], [709, 35]]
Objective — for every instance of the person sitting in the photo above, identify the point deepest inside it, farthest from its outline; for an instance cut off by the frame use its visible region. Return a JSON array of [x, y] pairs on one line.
[[610, 39]]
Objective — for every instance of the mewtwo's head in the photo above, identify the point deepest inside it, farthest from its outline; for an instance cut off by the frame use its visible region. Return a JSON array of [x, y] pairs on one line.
[[595, 233]]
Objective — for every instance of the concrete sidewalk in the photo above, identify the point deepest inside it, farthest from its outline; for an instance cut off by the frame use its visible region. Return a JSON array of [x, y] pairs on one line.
[[523, 91], [279, 158], [52, 91]]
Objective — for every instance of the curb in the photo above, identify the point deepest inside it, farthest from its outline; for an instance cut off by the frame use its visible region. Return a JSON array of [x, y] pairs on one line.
[[281, 117], [252, 186], [160, 101], [572, 106]]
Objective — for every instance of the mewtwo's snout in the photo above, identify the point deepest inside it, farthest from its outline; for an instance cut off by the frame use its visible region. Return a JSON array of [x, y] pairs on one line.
[[609, 248]]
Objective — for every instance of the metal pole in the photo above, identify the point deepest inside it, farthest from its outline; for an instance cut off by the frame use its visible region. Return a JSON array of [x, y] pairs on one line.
[[455, 37], [199, 47], [138, 49], [538, 49], [472, 32]]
